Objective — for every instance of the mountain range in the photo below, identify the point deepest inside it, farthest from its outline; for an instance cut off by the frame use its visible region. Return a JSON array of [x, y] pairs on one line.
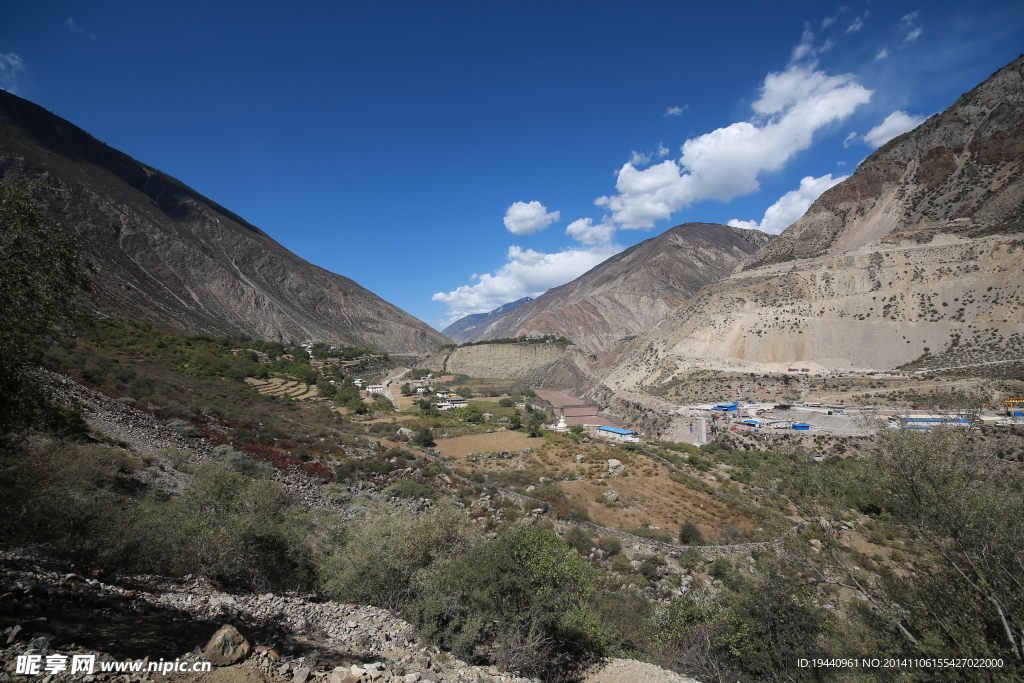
[[920, 251], [169, 255], [468, 329], [630, 292]]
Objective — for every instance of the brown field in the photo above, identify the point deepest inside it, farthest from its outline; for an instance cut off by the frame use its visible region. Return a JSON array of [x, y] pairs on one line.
[[461, 446], [646, 495]]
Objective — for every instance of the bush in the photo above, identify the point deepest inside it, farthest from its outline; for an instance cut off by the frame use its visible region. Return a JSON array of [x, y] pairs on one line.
[[690, 559], [382, 555], [721, 568], [408, 488], [689, 534], [579, 540], [423, 437], [519, 601], [609, 545]]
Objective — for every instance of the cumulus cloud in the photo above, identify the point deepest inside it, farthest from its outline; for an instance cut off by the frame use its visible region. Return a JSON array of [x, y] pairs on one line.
[[524, 218], [676, 111], [11, 66], [586, 231], [791, 206], [643, 158], [527, 273], [639, 158], [726, 163], [896, 123]]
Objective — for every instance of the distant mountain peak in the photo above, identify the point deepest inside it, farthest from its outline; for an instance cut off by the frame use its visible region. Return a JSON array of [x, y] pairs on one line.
[[465, 329]]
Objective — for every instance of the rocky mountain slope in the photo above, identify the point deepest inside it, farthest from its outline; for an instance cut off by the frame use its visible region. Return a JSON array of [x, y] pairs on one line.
[[920, 250], [541, 366], [466, 329], [171, 256], [634, 290]]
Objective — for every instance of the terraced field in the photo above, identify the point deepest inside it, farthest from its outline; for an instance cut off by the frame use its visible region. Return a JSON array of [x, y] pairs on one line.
[[275, 386]]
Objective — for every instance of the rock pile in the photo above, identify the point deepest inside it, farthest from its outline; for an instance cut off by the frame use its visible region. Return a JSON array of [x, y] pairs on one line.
[[315, 642]]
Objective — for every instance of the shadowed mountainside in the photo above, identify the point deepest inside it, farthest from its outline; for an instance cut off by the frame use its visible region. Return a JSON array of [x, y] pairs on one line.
[[171, 256]]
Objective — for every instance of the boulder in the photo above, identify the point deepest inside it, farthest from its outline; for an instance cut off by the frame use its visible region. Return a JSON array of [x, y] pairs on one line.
[[227, 647], [615, 467], [610, 496]]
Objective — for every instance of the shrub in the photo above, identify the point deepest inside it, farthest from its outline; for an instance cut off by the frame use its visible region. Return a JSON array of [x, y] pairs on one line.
[[689, 534], [721, 568], [408, 488], [620, 563], [579, 540], [690, 559], [382, 554], [609, 545], [424, 437], [519, 601]]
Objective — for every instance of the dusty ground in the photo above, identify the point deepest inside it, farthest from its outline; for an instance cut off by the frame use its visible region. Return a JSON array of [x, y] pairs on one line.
[[630, 671], [461, 446], [646, 495]]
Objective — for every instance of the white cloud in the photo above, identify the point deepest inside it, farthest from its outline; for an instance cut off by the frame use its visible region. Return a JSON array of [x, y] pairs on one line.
[[850, 139], [75, 28], [806, 46], [527, 218], [791, 206], [882, 53], [643, 158], [584, 230], [726, 163], [527, 273], [858, 23], [896, 123], [913, 35], [828, 21], [908, 19], [639, 159], [676, 111], [10, 66]]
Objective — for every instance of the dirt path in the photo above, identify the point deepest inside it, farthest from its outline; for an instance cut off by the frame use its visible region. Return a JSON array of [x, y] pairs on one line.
[[632, 671]]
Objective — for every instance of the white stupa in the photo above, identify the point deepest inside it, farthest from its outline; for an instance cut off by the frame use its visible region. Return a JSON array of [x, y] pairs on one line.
[[561, 427]]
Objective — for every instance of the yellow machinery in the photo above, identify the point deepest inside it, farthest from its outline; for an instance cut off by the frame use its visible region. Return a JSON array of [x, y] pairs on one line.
[[1014, 406]]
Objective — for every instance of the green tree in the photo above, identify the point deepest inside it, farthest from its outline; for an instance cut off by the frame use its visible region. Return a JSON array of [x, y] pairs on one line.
[[949, 490], [357, 407], [42, 271], [424, 436]]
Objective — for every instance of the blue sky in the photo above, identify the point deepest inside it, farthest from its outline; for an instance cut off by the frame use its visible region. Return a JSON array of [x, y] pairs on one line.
[[454, 156]]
